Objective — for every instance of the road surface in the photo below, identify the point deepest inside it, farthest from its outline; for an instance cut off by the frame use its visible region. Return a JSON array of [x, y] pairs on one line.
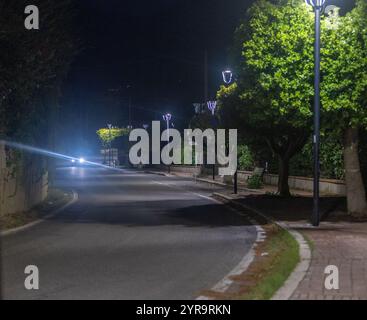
[[129, 236]]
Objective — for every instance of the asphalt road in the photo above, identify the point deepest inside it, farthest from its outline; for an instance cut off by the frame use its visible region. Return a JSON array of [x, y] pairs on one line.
[[130, 236]]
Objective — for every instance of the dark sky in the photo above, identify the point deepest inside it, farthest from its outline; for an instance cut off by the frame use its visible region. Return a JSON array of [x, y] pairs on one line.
[[151, 52]]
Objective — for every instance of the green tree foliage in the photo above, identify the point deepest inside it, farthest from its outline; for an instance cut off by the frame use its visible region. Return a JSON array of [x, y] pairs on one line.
[[245, 158], [344, 69], [33, 64], [331, 160], [272, 97], [107, 136], [344, 93], [270, 102]]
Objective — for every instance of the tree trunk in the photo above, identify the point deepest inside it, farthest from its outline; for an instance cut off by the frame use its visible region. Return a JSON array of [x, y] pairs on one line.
[[283, 186], [356, 193]]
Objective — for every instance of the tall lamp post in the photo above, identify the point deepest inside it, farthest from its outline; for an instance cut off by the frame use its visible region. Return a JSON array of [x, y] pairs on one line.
[[167, 117], [318, 6], [227, 79], [212, 105], [110, 144]]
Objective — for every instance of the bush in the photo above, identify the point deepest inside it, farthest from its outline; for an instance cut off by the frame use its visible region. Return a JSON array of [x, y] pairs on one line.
[[255, 182], [245, 158], [331, 160]]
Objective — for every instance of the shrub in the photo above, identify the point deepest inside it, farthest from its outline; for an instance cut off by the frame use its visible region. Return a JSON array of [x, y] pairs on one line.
[[255, 182], [245, 158]]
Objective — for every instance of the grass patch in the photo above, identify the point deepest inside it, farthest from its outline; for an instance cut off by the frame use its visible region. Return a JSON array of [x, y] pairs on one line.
[[268, 273], [55, 199]]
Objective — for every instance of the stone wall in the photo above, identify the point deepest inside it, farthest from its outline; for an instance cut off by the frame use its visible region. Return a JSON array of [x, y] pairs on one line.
[[24, 185]]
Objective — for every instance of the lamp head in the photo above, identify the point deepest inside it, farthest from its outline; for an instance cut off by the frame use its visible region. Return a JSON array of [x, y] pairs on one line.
[[167, 117], [227, 76], [212, 105], [315, 3]]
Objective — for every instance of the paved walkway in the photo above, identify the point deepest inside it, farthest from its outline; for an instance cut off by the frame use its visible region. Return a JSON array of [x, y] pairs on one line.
[[341, 244], [345, 246]]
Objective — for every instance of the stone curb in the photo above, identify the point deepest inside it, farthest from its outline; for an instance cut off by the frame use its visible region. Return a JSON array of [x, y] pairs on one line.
[[291, 284], [172, 174], [38, 221]]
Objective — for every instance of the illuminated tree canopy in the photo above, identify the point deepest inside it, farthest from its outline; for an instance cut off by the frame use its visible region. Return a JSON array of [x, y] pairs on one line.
[[107, 136]]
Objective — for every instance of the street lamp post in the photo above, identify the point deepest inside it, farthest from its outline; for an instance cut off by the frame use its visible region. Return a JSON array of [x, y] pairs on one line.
[[227, 79], [318, 7], [167, 117], [212, 105]]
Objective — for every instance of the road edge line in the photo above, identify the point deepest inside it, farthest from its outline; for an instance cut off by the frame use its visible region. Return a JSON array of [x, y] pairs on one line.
[[43, 219], [286, 291], [224, 284]]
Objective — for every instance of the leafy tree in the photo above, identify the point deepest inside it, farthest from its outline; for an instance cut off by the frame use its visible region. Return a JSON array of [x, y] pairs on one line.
[[33, 66], [107, 136], [344, 93], [271, 100]]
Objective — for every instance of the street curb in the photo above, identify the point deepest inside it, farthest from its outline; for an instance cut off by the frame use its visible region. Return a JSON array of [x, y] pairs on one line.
[[228, 185], [291, 284], [157, 173], [43, 219], [172, 174], [223, 285]]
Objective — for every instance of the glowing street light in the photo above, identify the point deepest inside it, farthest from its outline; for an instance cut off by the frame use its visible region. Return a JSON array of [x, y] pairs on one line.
[[167, 117], [227, 76], [227, 79], [212, 105], [318, 7]]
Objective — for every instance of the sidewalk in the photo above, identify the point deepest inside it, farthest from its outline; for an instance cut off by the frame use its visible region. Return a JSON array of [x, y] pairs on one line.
[[343, 245], [336, 242]]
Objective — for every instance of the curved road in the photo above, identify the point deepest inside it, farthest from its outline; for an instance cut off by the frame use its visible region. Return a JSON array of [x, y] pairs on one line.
[[130, 236]]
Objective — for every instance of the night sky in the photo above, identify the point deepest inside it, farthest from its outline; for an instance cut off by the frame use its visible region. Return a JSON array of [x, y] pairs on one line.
[[150, 53]]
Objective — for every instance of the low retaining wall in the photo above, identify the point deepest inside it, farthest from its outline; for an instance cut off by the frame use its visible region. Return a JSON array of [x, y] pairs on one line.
[[328, 186], [24, 187]]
